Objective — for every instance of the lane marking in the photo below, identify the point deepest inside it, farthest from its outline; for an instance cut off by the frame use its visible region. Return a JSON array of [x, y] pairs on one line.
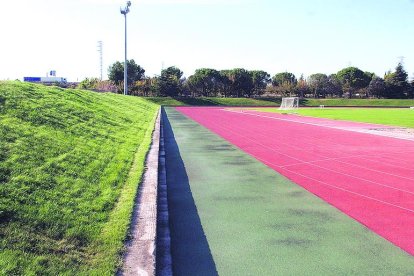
[[325, 158], [319, 181], [323, 125], [318, 166], [336, 187]]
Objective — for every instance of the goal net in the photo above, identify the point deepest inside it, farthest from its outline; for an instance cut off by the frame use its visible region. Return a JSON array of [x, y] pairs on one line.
[[289, 103]]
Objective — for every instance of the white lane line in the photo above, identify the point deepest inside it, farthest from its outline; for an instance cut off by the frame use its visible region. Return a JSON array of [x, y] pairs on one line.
[[320, 167], [308, 177], [337, 187], [326, 126]]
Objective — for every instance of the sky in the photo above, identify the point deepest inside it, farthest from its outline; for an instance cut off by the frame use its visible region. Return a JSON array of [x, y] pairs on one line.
[[298, 36]]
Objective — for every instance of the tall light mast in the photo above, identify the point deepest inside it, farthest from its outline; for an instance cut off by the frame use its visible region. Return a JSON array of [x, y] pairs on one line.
[[124, 12]]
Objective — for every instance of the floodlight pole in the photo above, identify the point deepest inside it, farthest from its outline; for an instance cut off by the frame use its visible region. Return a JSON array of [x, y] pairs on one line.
[[124, 12]]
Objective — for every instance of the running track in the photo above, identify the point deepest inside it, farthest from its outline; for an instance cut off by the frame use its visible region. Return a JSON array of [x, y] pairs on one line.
[[368, 177]]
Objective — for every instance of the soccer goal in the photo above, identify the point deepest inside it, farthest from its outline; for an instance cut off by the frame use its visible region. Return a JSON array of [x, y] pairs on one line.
[[289, 103]]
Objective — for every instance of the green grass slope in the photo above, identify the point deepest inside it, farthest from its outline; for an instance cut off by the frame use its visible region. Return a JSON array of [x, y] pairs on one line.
[[70, 164]]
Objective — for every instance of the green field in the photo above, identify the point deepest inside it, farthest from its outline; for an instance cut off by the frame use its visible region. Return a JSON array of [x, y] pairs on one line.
[[70, 164], [403, 117], [211, 101], [358, 102]]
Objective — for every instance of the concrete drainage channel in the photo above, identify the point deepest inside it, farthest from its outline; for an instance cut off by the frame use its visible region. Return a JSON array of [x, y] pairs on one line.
[[149, 250], [163, 256]]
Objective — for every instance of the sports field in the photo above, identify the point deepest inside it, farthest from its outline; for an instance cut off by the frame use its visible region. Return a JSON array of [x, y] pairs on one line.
[[403, 117], [243, 198]]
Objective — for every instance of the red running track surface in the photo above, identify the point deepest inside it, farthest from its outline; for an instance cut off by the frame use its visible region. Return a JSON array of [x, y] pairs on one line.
[[368, 177]]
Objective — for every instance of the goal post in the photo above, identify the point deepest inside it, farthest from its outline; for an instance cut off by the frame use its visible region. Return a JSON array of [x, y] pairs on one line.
[[289, 103]]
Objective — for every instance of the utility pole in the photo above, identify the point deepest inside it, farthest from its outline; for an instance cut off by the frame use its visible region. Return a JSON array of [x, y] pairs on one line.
[[124, 12]]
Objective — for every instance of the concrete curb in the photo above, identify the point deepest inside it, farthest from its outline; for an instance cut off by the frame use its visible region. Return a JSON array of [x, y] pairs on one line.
[[164, 259], [140, 256]]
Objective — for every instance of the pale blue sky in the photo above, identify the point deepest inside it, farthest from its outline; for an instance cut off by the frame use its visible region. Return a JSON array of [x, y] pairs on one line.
[[300, 36]]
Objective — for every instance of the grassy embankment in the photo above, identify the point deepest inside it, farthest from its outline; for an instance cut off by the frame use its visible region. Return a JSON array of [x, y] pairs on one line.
[[210, 101], [70, 162], [403, 117]]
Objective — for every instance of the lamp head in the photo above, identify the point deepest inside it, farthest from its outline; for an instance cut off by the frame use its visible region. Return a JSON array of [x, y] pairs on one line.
[[126, 10]]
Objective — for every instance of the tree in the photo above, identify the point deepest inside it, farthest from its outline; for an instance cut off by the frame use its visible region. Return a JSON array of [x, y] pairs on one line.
[[134, 71], [411, 91], [205, 82], [377, 87], [260, 81], [284, 83], [319, 84], [226, 83], [397, 82], [88, 83], [240, 81], [144, 87], [302, 88], [334, 86], [170, 83], [284, 78], [352, 79]]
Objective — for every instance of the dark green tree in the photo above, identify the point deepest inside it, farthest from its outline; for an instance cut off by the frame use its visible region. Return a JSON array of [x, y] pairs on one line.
[[226, 88], [319, 84], [334, 88], [377, 87], [284, 78], [260, 81], [240, 81], [352, 79], [135, 73], [284, 83], [411, 91], [205, 82], [397, 82], [369, 75], [170, 82]]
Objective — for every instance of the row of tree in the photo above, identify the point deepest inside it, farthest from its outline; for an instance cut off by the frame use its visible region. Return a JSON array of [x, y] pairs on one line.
[[205, 82]]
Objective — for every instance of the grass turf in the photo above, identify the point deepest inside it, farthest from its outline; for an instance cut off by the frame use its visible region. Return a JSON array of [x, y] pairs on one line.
[[70, 164], [386, 116], [358, 102], [253, 221], [215, 101]]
